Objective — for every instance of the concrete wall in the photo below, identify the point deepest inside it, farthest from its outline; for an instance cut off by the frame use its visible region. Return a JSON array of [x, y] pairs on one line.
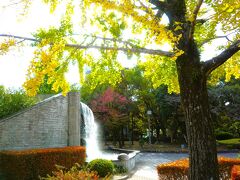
[[54, 122]]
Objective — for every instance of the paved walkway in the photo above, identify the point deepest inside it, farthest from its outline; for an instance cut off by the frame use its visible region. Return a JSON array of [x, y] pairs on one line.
[[147, 162]]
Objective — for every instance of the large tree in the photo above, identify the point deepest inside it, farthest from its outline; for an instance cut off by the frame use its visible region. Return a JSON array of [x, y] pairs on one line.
[[136, 27], [110, 108]]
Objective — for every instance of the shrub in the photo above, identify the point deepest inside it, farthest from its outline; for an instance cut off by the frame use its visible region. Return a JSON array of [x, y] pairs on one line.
[[235, 173], [12, 101], [141, 142], [102, 166], [75, 173], [179, 169], [120, 169], [221, 135], [29, 164]]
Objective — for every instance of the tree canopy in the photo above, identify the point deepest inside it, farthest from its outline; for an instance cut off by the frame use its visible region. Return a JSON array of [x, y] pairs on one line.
[[134, 27], [137, 28]]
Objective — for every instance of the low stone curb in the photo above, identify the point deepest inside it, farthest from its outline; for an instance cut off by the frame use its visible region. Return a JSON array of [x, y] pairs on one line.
[[120, 177]]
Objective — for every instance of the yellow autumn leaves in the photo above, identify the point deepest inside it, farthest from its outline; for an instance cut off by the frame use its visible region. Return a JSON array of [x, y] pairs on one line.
[[148, 20], [46, 62], [6, 44]]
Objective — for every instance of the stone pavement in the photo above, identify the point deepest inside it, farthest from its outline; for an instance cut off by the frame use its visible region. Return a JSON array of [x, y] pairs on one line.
[[147, 162]]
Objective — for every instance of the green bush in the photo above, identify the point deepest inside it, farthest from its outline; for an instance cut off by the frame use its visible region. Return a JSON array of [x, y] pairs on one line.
[[102, 166], [221, 135], [141, 142], [12, 101], [120, 169]]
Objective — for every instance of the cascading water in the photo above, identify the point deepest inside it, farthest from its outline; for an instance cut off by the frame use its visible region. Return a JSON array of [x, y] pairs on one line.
[[91, 132]]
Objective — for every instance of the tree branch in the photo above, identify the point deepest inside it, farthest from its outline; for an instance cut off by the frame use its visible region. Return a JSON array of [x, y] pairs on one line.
[[144, 6], [201, 21], [133, 48], [158, 3], [215, 62], [19, 37], [217, 37], [12, 3], [161, 6], [193, 22]]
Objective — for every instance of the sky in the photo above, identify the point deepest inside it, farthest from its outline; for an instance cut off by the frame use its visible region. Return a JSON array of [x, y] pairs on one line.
[[13, 65]]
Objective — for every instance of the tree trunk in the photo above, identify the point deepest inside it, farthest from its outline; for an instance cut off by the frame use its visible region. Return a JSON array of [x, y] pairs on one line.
[[194, 98], [132, 134], [199, 126], [164, 133], [158, 133], [122, 136]]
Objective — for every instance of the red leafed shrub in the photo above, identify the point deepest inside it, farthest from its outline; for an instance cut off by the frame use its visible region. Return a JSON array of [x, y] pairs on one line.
[[179, 169], [32, 163]]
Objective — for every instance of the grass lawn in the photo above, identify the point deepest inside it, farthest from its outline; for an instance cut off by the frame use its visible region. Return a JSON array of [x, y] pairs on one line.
[[230, 143]]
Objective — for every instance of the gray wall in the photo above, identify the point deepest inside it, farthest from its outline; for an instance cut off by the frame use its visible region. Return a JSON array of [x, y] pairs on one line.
[[54, 122]]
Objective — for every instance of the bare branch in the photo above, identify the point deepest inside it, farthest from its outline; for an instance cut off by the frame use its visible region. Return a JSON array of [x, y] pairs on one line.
[[193, 22], [215, 62], [133, 48], [116, 40], [19, 37], [201, 21], [217, 37], [143, 5], [12, 4]]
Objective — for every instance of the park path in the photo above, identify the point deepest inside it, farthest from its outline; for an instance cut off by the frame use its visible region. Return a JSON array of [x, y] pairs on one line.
[[147, 162], [145, 168]]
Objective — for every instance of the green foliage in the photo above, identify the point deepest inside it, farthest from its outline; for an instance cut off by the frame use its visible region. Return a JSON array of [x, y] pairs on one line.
[[221, 135], [225, 103], [46, 88], [120, 169], [75, 88], [112, 23], [102, 166], [231, 143], [141, 142], [12, 101]]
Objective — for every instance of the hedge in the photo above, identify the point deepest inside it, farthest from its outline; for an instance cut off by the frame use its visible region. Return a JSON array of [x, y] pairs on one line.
[[236, 172], [32, 163], [179, 169]]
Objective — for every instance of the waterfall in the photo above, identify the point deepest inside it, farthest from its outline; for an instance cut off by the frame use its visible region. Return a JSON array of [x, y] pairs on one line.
[[91, 133]]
